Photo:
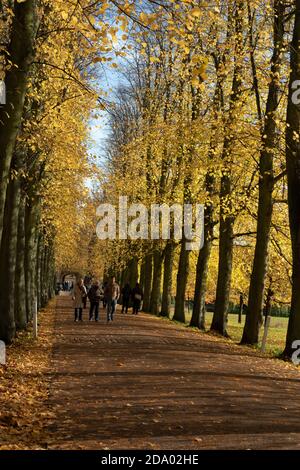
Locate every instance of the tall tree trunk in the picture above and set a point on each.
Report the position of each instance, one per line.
(8, 256)
(31, 222)
(142, 275)
(39, 267)
(148, 282)
(167, 280)
(219, 322)
(266, 186)
(133, 272)
(156, 283)
(184, 257)
(20, 53)
(51, 271)
(198, 315)
(182, 277)
(44, 274)
(20, 296)
(293, 177)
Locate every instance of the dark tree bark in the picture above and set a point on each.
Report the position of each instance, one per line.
(182, 277)
(148, 282)
(227, 218)
(293, 177)
(219, 322)
(266, 186)
(133, 272)
(156, 283)
(241, 308)
(31, 238)
(142, 275)
(20, 297)
(39, 268)
(167, 280)
(184, 258)
(8, 256)
(20, 53)
(198, 315)
(45, 273)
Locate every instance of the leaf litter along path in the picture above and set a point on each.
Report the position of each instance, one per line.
(24, 388)
(142, 383)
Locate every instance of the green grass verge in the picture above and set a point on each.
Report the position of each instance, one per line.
(276, 335)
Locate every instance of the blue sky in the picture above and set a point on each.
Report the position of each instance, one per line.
(98, 134)
(109, 79)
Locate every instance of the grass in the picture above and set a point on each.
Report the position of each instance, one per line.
(276, 334)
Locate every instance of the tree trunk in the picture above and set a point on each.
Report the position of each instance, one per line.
(20, 296)
(44, 275)
(266, 186)
(142, 275)
(39, 267)
(148, 282)
(219, 322)
(198, 316)
(8, 256)
(167, 281)
(293, 177)
(31, 221)
(241, 308)
(182, 277)
(133, 272)
(51, 272)
(156, 284)
(227, 217)
(20, 53)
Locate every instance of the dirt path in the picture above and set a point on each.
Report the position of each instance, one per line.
(141, 383)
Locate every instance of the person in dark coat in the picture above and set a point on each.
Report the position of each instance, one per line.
(137, 297)
(126, 294)
(94, 296)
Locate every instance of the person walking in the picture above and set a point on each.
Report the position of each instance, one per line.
(94, 295)
(79, 292)
(112, 294)
(137, 297)
(126, 293)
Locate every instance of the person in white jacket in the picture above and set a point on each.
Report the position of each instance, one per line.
(79, 292)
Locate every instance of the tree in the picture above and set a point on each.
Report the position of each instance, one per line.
(266, 181)
(293, 165)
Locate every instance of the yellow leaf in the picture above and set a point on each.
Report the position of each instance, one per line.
(196, 12)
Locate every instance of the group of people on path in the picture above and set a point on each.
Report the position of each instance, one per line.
(134, 295)
(109, 294)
